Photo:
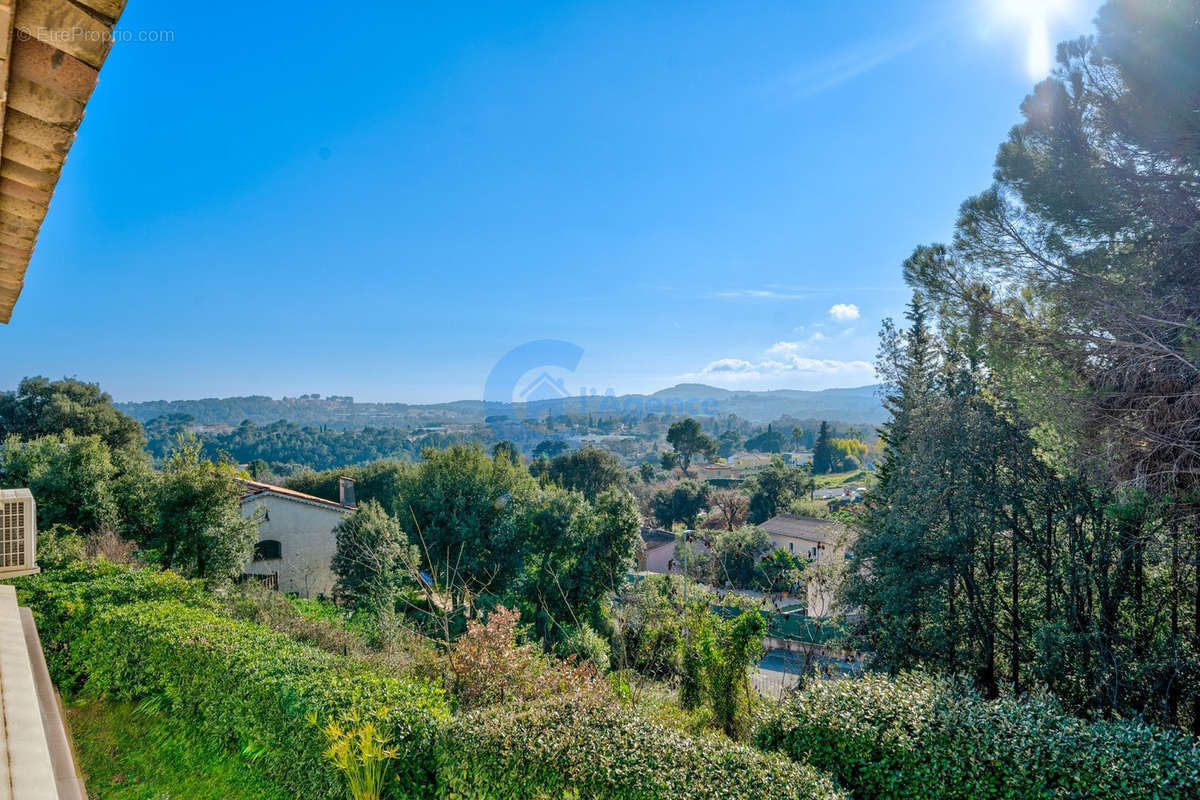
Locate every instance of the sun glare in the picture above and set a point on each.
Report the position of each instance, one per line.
(1032, 18)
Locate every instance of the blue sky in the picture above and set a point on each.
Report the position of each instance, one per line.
(381, 199)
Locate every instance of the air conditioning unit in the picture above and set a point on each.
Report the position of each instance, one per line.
(18, 533)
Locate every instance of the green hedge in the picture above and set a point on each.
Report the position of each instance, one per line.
(559, 749)
(244, 686)
(921, 737)
(65, 601)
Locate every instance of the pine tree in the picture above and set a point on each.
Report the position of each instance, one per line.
(822, 462)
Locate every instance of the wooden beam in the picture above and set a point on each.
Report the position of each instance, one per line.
(15, 255)
(51, 52)
(6, 36)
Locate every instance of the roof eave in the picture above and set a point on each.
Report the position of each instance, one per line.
(51, 52)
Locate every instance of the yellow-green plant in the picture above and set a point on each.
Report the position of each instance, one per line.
(362, 750)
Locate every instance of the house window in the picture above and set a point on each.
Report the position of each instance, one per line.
(812, 552)
(791, 547)
(268, 549)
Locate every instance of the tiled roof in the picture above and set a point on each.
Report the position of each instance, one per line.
(797, 527)
(256, 489)
(51, 52)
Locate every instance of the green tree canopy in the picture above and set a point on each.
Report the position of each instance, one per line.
(577, 555)
(682, 503)
(774, 488)
(590, 471)
(689, 441)
(200, 530)
(41, 407)
(769, 441)
(460, 511)
(370, 559)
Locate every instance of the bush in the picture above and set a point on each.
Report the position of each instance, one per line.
(606, 752)
(241, 685)
(585, 645)
(253, 602)
(59, 546)
(922, 737)
(65, 602)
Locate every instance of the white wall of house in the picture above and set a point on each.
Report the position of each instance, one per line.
(307, 544)
(658, 558)
(820, 600)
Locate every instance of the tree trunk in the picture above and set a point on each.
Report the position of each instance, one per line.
(1016, 612)
(1196, 627)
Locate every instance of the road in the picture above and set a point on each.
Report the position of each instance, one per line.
(780, 670)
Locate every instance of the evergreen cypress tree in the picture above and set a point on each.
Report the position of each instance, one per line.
(822, 462)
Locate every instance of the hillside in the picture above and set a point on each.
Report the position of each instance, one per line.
(856, 406)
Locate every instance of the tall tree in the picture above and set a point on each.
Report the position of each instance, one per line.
(682, 503)
(506, 449)
(590, 471)
(797, 437)
(369, 559)
(460, 510)
(200, 530)
(72, 478)
(730, 507)
(1087, 246)
(577, 555)
(689, 440)
(41, 407)
(822, 460)
(774, 488)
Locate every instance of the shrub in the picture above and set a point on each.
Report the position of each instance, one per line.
(490, 666)
(586, 645)
(921, 737)
(606, 752)
(58, 546)
(242, 685)
(65, 602)
(253, 602)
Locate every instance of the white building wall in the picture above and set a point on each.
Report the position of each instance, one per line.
(307, 543)
(820, 600)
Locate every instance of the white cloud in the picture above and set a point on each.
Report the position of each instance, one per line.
(844, 312)
(785, 367)
(758, 294)
(789, 364)
(793, 347)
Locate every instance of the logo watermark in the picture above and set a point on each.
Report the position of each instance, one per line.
(76, 35)
(531, 382)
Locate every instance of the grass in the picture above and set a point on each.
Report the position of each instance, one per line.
(853, 478)
(130, 752)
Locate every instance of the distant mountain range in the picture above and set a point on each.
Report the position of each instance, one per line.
(857, 406)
